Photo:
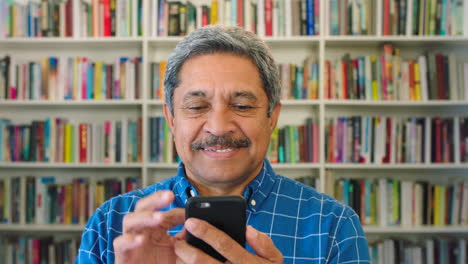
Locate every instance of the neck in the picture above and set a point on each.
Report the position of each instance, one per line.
(219, 190)
(222, 188)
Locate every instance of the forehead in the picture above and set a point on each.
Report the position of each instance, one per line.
(206, 75)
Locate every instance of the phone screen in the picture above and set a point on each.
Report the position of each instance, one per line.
(227, 213)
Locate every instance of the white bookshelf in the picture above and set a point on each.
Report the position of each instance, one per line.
(432, 103)
(41, 228)
(53, 165)
(425, 230)
(65, 103)
(399, 166)
(285, 50)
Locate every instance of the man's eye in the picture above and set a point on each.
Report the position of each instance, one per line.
(196, 108)
(243, 107)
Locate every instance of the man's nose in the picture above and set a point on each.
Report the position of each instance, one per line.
(220, 121)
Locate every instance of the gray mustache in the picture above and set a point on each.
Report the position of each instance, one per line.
(221, 140)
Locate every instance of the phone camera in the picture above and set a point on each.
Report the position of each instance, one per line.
(204, 205)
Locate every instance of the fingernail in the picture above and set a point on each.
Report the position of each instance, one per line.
(139, 239)
(166, 195)
(190, 223)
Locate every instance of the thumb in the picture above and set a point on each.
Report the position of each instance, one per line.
(263, 245)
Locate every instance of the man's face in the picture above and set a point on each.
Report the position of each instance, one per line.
(220, 124)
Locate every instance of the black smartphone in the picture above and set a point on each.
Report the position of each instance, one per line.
(226, 213)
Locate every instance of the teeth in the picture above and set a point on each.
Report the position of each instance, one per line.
(221, 150)
(224, 150)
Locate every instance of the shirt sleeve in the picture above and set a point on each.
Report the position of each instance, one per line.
(93, 247)
(349, 244)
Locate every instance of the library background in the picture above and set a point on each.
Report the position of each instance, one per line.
(375, 113)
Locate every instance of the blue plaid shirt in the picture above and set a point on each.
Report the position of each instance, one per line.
(306, 226)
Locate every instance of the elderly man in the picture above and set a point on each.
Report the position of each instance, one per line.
(222, 104)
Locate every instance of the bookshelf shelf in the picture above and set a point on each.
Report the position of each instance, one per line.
(34, 41)
(296, 166)
(72, 43)
(396, 166)
(40, 228)
(268, 39)
(394, 38)
(401, 41)
(157, 40)
(396, 103)
(153, 165)
(68, 165)
(154, 102)
(416, 230)
(293, 39)
(70, 103)
(333, 40)
(305, 102)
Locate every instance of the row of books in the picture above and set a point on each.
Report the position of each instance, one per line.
(41, 18)
(397, 17)
(70, 78)
(448, 250)
(423, 17)
(393, 202)
(57, 200)
(295, 144)
(23, 250)
(162, 147)
(431, 76)
(299, 81)
(263, 17)
(377, 140)
(64, 141)
(352, 17)
(106, 18)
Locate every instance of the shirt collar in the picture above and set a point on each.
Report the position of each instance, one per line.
(255, 193)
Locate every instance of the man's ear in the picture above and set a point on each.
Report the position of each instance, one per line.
(169, 117)
(275, 116)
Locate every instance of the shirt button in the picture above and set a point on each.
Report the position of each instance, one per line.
(192, 193)
(253, 202)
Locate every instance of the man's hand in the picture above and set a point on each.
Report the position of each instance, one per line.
(145, 238)
(226, 246)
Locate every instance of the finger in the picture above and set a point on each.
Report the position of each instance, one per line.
(136, 222)
(182, 235)
(155, 201)
(188, 254)
(220, 241)
(263, 245)
(126, 243)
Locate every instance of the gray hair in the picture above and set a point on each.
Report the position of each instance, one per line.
(222, 39)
